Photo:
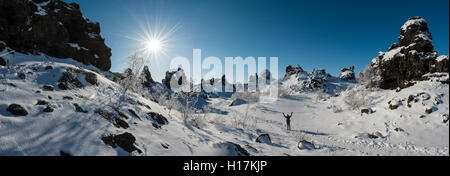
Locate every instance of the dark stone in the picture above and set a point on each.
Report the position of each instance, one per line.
(67, 98)
(264, 138)
(125, 141)
(48, 109)
(22, 76)
(54, 33)
(69, 79)
(2, 61)
(429, 110)
(147, 77)
(372, 136)
(305, 145)
(158, 118)
(156, 126)
(366, 111)
(64, 86)
(393, 107)
(134, 113)
(91, 78)
(49, 97)
(41, 102)
(48, 87)
(17, 110)
(37, 91)
(48, 67)
(119, 123)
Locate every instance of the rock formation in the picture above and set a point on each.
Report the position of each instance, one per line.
(409, 60)
(55, 28)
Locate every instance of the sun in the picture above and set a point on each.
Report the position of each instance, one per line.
(153, 45)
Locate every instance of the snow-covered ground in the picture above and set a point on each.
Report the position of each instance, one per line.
(323, 120)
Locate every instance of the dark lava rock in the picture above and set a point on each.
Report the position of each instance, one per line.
(48, 87)
(17, 110)
(2, 61)
(366, 111)
(49, 97)
(158, 118)
(156, 126)
(429, 110)
(69, 79)
(67, 98)
(91, 78)
(134, 113)
(264, 138)
(372, 136)
(147, 77)
(125, 141)
(22, 76)
(119, 123)
(41, 102)
(55, 28)
(48, 109)
(48, 67)
(234, 149)
(175, 78)
(348, 73)
(409, 60)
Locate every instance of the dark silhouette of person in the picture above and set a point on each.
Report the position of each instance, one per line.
(288, 120)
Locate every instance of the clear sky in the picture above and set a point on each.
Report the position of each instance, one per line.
(329, 34)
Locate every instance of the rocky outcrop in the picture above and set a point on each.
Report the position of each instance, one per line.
(177, 78)
(347, 73)
(55, 28)
(409, 60)
(293, 71)
(147, 77)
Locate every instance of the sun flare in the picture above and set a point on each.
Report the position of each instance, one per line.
(153, 45)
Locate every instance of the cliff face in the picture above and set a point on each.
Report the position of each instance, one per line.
(55, 28)
(409, 60)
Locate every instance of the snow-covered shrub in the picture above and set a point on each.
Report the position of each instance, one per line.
(357, 97)
(370, 77)
(243, 120)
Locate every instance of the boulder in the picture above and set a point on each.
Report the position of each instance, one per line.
(158, 118)
(91, 78)
(125, 141)
(264, 138)
(305, 145)
(48, 109)
(55, 28)
(69, 79)
(17, 110)
(48, 87)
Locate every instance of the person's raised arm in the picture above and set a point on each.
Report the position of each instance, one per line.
(284, 114)
(292, 114)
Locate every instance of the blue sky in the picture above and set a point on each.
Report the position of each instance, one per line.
(329, 34)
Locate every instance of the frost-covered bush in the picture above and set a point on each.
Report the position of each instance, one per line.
(357, 97)
(243, 120)
(370, 77)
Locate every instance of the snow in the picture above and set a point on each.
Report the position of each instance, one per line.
(391, 54)
(320, 130)
(441, 58)
(413, 22)
(75, 45)
(41, 11)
